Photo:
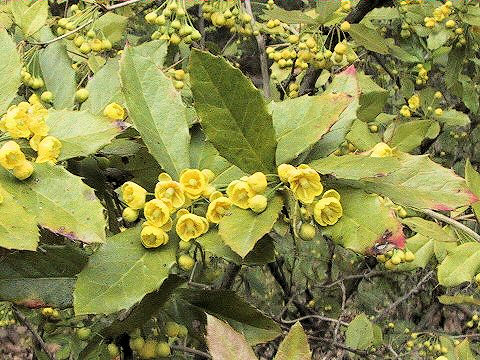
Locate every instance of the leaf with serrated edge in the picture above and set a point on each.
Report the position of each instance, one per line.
(295, 345)
(60, 201)
(299, 123)
(121, 273)
(9, 70)
(460, 265)
(157, 111)
(225, 343)
(80, 132)
(359, 334)
(355, 230)
(429, 229)
(18, 228)
(232, 113)
(241, 229)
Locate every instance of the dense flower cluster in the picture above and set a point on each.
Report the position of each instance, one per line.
(27, 120)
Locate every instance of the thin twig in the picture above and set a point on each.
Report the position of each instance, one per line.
(340, 346)
(262, 54)
(352, 277)
(64, 35)
(190, 350)
(35, 334)
(452, 222)
(319, 317)
(413, 291)
(121, 4)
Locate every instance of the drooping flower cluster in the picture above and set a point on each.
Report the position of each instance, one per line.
(186, 198)
(27, 120)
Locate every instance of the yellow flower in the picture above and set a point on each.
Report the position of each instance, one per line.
(284, 172)
(209, 175)
(156, 212)
(209, 190)
(381, 150)
(133, 195)
(37, 120)
(217, 209)
(331, 193)
(414, 102)
(114, 111)
(129, 214)
(257, 203)
(35, 141)
(190, 226)
(257, 182)
(327, 211)
(15, 121)
(11, 155)
(153, 237)
(305, 183)
(49, 150)
(405, 111)
(171, 190)
(239, 192)
(23, 171)
(194, 183)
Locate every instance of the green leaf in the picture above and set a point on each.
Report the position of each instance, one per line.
(104, 88)
(18, 228)
(472, 178)
(9, 70)
(438, 38)
(356, 167)
(355, 230)
(361, 137)
(156, 110)
(80, 132)
(299, 123)
(295, 345)
(372, 98)
(203, 155)
(469, 95)
(410, 180)
(232, 113)
(406, 136)
(288, 16)
(463, 351)
(460, 265)
(359, 334)
(57, 71)
(458, 299)
(253, 324)
(224, 343)
(121, 273)
(368, 38)
(472, 16)
(60, 201)
(30, 18)
(452, 117)
(111, 25)
(429, 229)
(383, 13)
(145, 309)
(423, 248)
(41, 278)
(241, 229)
(262, 253)
(346, 82)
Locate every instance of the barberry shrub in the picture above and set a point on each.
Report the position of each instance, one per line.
(160, 196)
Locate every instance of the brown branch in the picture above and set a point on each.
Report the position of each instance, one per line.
(19, 315)
(361, 353)
(186, 349)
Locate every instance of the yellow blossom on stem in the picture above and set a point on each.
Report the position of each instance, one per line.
(239, 192)
(327, 211)
(156, 212)
(114, 111)
(305, 184)
(258, 203)
(414, 102)
(153, 237)
(133, 195)
(23, 171)
(284, 171)
(194, 183)
(49, 150)
(11, 155)
(172, 190)
(257, 182)
(381, 150)
(190, 226)
(217, 209)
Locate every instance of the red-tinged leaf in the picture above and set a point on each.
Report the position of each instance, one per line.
(225, 343)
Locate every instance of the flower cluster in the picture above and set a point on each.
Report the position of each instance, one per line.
(27, 120)
(395, 257)
(174, 24)
(231, 15)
